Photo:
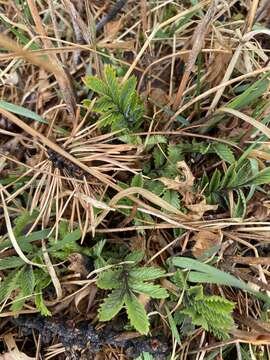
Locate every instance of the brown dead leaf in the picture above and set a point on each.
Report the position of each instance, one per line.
(205, 242)
(78, 264)
(14, 353)
(197, 206)
(218, 67)
(112, 28)
(159, 96)
(89, 294)
(177, 184)
(201, 208)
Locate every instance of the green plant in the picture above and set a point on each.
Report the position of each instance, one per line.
(166, 157)
(212, 313)
(119, 105)
(239, 175)
(145, 356)
(204, 273)
(24, 282)
(127, 281)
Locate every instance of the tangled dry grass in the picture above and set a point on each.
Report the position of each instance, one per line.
(202, 70)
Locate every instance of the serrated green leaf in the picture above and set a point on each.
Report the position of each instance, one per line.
(111, 305)
(63, 248)
(173, 327)
(9, 284)
(159, 158)
(136, 314)
(11, 262)
(110, 78)
(127, 91)
(26, 283)
(263, 177)
(215, 181)
(156, 139)
(72, 236)
(241, 205)
(27, 280)
(104, 104)
(95, 84)
(131, 139)
(175, 153)
(147, 273)
(42, 308)
(20, 110)
(172, 197)
(179, 279)
(153, 291)
(109, 279)
(197, 319)
(224, 152)
(115, 119)
(137, 180)
(135, 256)
(213, 313)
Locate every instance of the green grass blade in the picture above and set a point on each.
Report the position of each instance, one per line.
(204, 273)
(20, 110)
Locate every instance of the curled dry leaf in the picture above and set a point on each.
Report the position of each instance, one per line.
(199, 209)
(177, 184)
(206, 242)
(79, 264)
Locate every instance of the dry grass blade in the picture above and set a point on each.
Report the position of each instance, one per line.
(261, 127)
(197, 41)
(12, 237)
(32, 58)
(61, 75)
(81, 197)
(51, 270)
(218, 87)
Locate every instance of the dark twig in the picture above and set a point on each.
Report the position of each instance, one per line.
(111, 14)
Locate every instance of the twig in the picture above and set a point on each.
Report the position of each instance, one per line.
(111, 14)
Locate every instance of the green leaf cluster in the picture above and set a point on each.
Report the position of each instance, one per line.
(119, 105)
(24, 283)
(165, 158)
(239, 175)
(212, 313)
(204, 273)
(127, 281)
